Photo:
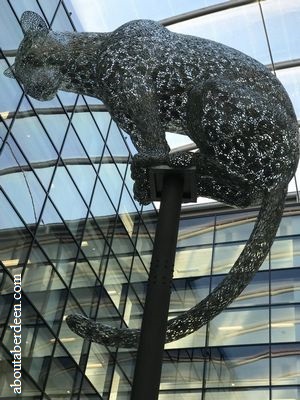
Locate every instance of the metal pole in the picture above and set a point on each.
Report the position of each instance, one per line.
(153, 332)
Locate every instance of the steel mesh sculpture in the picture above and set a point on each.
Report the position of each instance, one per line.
(152, 81)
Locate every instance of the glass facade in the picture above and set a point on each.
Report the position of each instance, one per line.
(73, 239)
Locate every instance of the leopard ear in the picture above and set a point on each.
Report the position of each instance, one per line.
(10, 72)
(31, 21)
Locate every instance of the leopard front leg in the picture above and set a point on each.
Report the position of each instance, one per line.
(147, 133)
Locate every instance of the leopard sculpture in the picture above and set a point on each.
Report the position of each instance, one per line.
(153, 80)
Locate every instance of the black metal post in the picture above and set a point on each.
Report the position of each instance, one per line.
(153, 332)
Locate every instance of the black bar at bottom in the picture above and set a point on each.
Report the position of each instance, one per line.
(153, 332)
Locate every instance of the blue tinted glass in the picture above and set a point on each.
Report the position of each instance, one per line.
(49, 8)
(239, 366)
(72, 147)
(26, 194)
(20, 6)
(195, 231)
(61, 21)
(88, 132)
(11, 87)
(10, 29)
(33, 140)
(11, 156)
(285, 286)
(240, 28)
(285, 253)
(115, 141)
(290, 224)
(103, 120)
(84, 176)
(282, 19)
(56, 126)
(66, 197)
(98, 16)
(101, 204)
(290, 78)
(285, 367)
(238, 326)
(9, 218)
(112, 181)
(285, 324)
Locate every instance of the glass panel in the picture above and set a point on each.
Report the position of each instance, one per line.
(193, 262)
(285, 286)
(10, 30)
(182, 369)
(195, 231)
(290, 224)
(285, 393)
(234, 227)
(133, 310)
(182, 395)
(61, 21)
(6, 298)
(261, 394)
(84, 177)
(62, 374)
(114, 270)
(120, 388)
(36, 353)
(8, 85)
(15, 242)
(139, 270)
(72, 342)
(87, 270)
(44, 175)
(98, 17)
(101, 204)
(93, 244)
(225, 256)
(112, 181)
(186, 293)
(240, 28)
(49, 7)
(32, 139)
(290, 79)
(239, 327)
(39, 274)
(59, 246)
(121, 245)
(72, 147)
(103, 120)
(3, 133)
(285, 253)
(20, 6)
(285, 324)
(282, 18)
(115, 141)
(56, 126)
(88, 296)
(71, 207)
(238, 366)
(89, 134)
(99, 368)
(11, 157)
(26, 194)
(128, 212)
(285, 365)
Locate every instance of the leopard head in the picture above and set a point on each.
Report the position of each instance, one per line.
(34, 66)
